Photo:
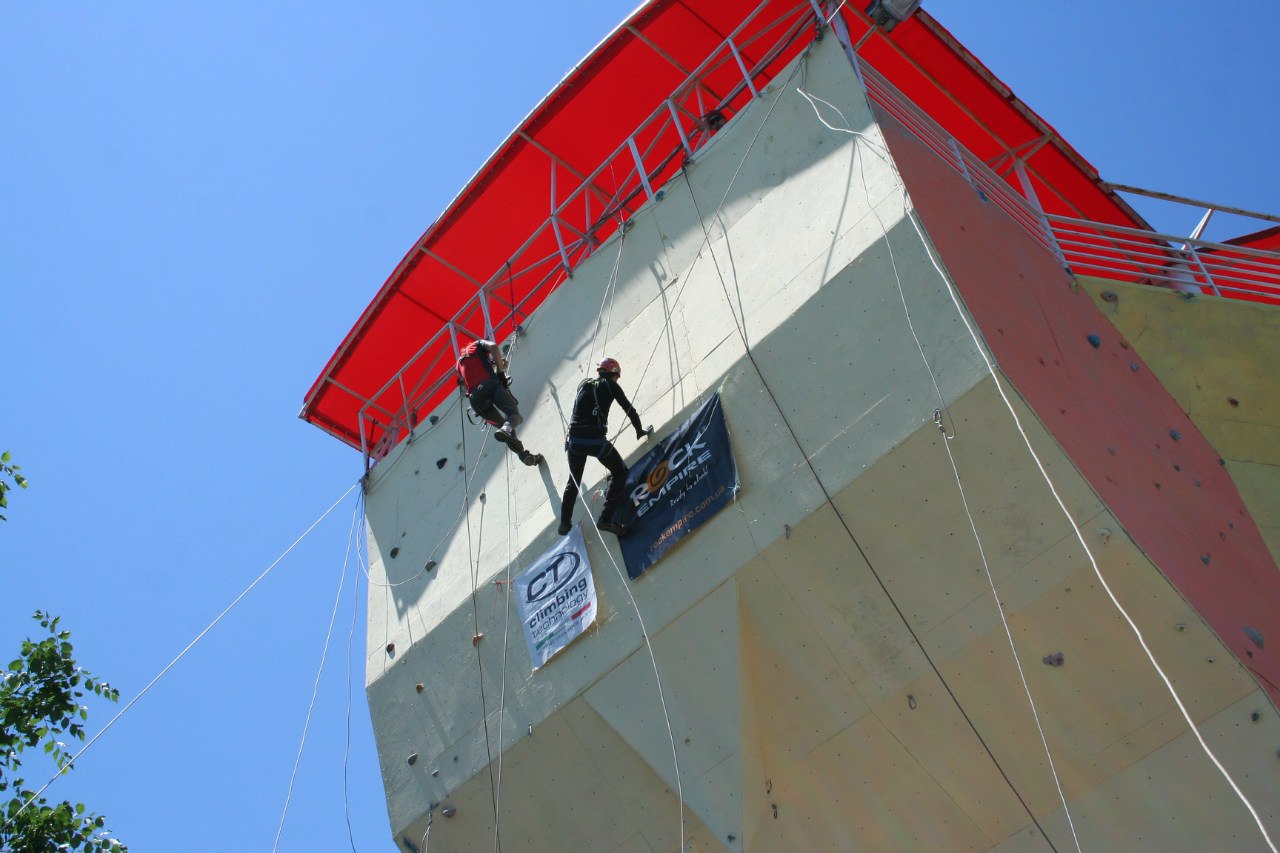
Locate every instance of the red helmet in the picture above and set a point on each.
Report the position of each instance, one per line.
(610, 366)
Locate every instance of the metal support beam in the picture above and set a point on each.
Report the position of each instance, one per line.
(1029, 190)
(746, 74)
(635, 155)
(684, 138)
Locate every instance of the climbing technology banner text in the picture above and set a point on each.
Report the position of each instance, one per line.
(677, 486)
(556, 598)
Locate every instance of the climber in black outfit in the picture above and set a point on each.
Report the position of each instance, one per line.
(588, 436)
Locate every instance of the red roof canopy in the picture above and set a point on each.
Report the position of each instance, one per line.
(496, 236)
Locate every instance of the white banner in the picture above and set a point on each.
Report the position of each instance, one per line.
(556, 597)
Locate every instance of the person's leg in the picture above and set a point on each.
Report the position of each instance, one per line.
(617, 483)
(577, 462)
(506, 403)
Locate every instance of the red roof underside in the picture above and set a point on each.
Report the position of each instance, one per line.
(589, 115)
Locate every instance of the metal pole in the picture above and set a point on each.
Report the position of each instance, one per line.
(1029, 190)
(1213, 285)
(555, 224)
(746, 75)
(684, 139)
(635, 155)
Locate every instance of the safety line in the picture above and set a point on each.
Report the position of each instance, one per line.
(351, 632)
(884, 231)
(644, 631)
(912, 217)
(611, 288)
(1094, 563)
(808, 462)
(706, 238)
(456, 523)
(315, 687)
(506, 636)
(181, 655)
(653, 660)
(475, 617)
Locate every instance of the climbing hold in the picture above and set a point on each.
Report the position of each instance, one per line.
(394, 553)
(441, 462)
(1256, 716)
(1181, 627)
(1255, 635)
(1055, 659)
(475, 640)
(419, 687)
(449, 811)
(1105, 535)
(1175, 435)
(1095, 341)
(1108, 296)
(431, 564)
(435, 773)
(786, 531)
(432, 420)
(1133, 365)
(775, 810)
(659, 195)
(391, 648)
(1204, 558)
(911, 701)
(483, 497)
(412, 759)
(1235, 404)
(1221, 461)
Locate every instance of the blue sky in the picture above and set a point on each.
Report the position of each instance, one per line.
(196, 202)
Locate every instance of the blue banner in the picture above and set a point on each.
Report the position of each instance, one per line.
(676, 486)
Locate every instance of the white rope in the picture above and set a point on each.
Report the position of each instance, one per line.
(1026, 687)
(611, 289)
(911, 216)
(506, 636)
(474, 566)
(1093, 561)
(644, 631)
(351, 632)
(315, 687)
(653, 660)
(182, 653)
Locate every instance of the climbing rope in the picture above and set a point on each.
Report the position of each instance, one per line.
(912, 217)
(817, 479)
(181, 654)
(610, 296)
(947, 438)
(351, 633)
(473, 563)
(315, 687)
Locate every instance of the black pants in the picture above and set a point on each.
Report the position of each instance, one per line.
(578, 451)
(497, 405)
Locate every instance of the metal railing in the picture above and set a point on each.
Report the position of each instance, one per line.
(1186, 264)
(582, 218)
(677, 129)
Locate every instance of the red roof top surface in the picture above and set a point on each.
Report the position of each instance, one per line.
(583, 122)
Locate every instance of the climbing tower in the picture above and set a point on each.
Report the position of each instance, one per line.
(997, 568)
